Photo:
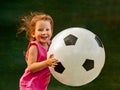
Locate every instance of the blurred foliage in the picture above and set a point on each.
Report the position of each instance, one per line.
(102, 17)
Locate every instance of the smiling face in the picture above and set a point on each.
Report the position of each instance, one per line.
(43, 31)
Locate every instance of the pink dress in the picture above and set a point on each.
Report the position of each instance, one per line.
(38, 80)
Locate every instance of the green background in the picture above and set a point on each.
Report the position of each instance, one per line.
(102, 17)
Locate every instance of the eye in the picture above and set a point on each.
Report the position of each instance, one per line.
(47, 29)
(40, 30)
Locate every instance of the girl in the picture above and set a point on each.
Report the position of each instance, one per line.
(39, 29)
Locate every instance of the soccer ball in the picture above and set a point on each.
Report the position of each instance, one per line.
(81, 56)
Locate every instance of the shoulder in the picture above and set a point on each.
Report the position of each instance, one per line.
(33, 46)
(33, 43)
(33, 49)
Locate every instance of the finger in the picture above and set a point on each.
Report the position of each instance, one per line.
(51, 56)
(53, 66)
(55, 63)
(56, 60)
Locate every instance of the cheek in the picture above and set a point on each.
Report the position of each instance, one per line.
(38, 33)
(50, 34)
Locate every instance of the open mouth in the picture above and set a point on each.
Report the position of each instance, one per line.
(44, 38)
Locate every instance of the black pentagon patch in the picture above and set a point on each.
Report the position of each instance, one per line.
(99, 41)
(88, 64)
(59, 68)
(70, 40)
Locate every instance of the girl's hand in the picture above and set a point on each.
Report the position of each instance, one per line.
(51, 61)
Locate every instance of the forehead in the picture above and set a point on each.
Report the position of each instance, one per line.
(43, 23)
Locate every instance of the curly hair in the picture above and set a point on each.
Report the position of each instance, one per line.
(29, 22)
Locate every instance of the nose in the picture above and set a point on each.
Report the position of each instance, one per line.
(44, 32)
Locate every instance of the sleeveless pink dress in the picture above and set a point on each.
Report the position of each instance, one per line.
(38, 80)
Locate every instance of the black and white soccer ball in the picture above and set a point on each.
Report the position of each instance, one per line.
(81, 56)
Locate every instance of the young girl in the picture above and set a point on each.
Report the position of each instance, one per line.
(39, 29)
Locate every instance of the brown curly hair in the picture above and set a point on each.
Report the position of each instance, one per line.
(29, 22)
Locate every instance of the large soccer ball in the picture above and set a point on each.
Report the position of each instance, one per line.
(81, 56)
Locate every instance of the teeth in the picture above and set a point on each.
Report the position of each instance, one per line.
(44, 36)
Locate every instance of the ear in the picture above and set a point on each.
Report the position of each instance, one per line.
(33, 34)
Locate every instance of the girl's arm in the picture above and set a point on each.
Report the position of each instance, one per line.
(33, 65)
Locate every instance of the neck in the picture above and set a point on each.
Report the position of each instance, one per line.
(45, 45)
